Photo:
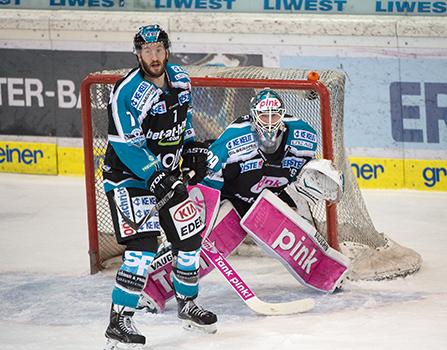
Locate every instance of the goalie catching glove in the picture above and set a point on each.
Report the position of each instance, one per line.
(195, 156)
(317, 180)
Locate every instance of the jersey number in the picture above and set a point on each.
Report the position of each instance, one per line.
(175, 115)
(132, 119)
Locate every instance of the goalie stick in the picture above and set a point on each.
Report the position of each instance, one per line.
(212, 254)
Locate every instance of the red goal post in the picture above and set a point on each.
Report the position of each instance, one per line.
(219, 96)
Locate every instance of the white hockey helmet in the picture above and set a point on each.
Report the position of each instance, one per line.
(267, 112)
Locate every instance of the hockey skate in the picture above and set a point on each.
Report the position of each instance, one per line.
(195, 317)
(147, 304)
(121, 332)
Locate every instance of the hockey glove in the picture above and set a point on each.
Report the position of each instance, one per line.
(161, 182)
(231, 171)
(318, 180)
(195, 156)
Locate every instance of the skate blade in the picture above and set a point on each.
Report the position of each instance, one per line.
(191, 326)
(112, 344)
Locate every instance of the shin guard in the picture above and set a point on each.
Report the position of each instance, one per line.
(185, 278)
(131, 277)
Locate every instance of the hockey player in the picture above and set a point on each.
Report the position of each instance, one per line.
(268, 149)
(150, 129)
(264, 163)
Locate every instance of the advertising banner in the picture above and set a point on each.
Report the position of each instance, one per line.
(358, 7)
(396, 104)
(28, 157)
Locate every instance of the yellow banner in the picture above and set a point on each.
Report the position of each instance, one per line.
(384, 173)
(70, 161)
(379, 173)
(426, 175)
(28, 158)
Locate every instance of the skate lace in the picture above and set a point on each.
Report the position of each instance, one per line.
(196, 310)
(127, 325)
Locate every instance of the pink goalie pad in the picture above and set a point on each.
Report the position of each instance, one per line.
(226, 234)
(283, 234)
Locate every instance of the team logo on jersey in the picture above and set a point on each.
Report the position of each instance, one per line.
(177, 69)
(184, 97)
(159, 108)
(269, 181)
(142, 94)
(189, 133)
(251, 165)
(180, 76)
(240, 141)
(292, 162)
(170, 135)
(135, 138)
(305, 135)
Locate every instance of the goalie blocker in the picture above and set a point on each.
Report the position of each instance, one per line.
(286, 236)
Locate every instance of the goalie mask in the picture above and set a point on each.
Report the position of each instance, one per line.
(267, 112)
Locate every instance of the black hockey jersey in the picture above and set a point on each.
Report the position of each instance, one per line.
(241, 170)
(147, 127)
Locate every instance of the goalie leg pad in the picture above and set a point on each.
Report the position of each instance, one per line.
(131, 277)
(282, 233)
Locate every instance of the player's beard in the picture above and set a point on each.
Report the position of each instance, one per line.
(155, 69)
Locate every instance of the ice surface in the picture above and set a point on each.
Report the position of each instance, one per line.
(49, 300)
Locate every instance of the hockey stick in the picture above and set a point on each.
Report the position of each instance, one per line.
(136, 225)
(245, 293)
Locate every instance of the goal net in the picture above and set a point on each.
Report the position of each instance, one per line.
(222, 94)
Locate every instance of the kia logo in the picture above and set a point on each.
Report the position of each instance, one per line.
(185, 212)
